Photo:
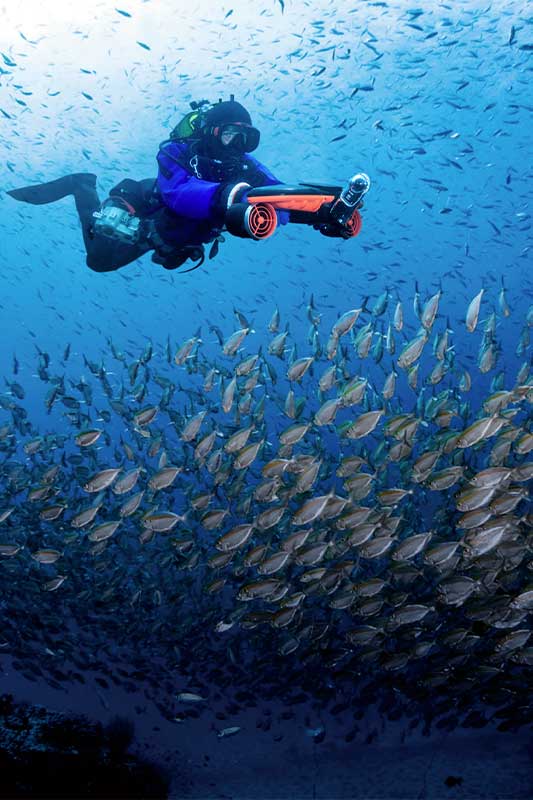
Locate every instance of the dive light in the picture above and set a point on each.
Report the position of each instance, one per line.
(352, 194)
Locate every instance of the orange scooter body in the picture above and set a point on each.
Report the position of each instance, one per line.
(308, 202)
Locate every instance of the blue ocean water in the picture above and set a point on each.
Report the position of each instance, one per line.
(434, 103)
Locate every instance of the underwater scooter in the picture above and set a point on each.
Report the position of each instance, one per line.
(330, 209)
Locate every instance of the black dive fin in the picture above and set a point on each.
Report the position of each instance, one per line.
(54, 190)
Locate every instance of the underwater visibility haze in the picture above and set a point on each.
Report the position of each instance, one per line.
(277, 510)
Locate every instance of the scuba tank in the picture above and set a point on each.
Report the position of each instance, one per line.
(191, 124)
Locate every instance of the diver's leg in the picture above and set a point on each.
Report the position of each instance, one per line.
(103, 254)
(106, 255)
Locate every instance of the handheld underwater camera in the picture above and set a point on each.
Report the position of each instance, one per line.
(117, 219)
(333, 210)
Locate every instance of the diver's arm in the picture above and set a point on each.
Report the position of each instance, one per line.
(182, 192)
(192, 197)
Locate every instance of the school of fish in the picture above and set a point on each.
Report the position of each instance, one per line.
(325, 519)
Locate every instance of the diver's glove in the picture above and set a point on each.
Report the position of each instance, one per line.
(227, 195)
(331, 227)
(172, 258)
(333, 230)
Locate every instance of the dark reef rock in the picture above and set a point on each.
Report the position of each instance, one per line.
(45, 754)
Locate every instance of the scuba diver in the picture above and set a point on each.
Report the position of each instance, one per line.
(207, 183)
